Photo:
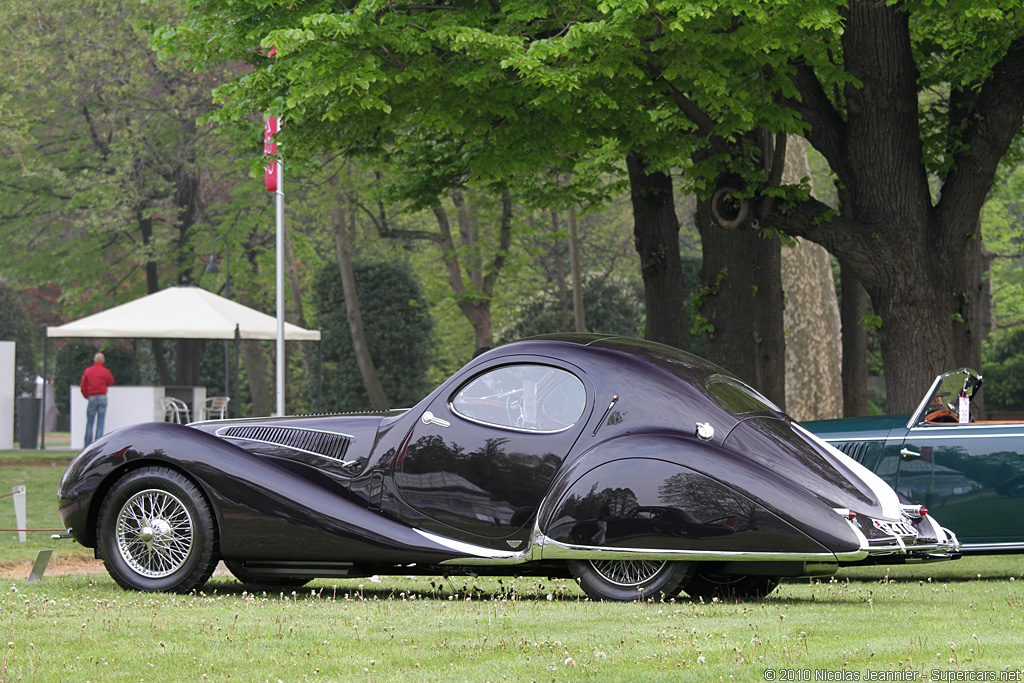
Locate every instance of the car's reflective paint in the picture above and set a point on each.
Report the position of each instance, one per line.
(656, 465)
(970, 475)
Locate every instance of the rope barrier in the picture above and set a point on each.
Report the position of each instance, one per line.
(40, 530)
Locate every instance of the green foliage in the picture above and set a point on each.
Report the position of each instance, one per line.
(105, 172)
(506, 91)
(71, 360)
(398, 328)
(1003, 370)
(609, 308)
(1003, 229)
(15, 327)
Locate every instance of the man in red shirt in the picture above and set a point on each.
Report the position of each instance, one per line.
(95, 381)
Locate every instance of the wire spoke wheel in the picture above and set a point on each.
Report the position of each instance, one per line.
(630, 580)
(154, 533)
(627, 572)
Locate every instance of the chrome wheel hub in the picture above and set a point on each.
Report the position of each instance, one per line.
(627, 572)
(155, 533)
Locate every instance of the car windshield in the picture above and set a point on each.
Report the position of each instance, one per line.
(949, 399)
(737, 397)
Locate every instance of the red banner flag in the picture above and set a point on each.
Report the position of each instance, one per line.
(270, 147)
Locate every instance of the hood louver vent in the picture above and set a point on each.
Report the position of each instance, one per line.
(325, 444)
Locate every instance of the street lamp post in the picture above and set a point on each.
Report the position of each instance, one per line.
(213, 267)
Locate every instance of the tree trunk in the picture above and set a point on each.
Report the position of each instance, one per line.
(811, 317)
(656, 234)
(474, 301)
(911, 252)
(741, 304)
(563, 289)
(987, 315)
(855, 345)
(579, 318)
(152, 287)
(255, 362)
(364, 361)
(187, 361)
(968, 306)
(814, 387)
(916, 339)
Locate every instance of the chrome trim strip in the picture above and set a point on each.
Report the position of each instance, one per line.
(861, 538)
(554, 550)
(921, 437)
(854, 439)
(545, 548)
(477, 552)
(990, 547)
(916, 415)
(549, 549)
(518, 430)
(853, 556)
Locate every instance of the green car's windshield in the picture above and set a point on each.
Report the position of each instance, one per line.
(949, 399)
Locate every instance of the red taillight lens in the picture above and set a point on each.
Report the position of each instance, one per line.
(914, 511)
(846, 512)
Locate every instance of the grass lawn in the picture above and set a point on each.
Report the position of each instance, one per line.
(964, 615)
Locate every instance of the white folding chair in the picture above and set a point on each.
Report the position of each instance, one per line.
(215, 407)
(175, 410)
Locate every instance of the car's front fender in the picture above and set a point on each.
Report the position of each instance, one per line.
(263, 510)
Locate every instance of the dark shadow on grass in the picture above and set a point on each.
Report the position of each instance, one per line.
(318, 590)
(916, 578)
(350, 590)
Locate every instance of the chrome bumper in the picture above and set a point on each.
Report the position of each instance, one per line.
(910, 540)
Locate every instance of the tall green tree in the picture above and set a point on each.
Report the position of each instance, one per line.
(398, 333)
(15, 327)
(448, 127)
(893, 95)
(110, 180)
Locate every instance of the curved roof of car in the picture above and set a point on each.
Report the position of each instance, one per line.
(682, 364)
(657, 384)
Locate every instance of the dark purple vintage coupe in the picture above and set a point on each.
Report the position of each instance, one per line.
(637, 469)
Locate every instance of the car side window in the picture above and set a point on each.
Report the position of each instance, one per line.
(528, 397)
(737, 397)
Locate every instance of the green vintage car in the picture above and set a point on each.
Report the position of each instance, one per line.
(967, 471)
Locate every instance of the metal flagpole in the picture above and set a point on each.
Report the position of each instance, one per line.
(280, 288)
(274, 179)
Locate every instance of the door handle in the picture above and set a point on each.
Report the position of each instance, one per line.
(907, 453)
(429, 419)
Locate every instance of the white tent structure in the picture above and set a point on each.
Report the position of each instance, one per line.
(180, 312)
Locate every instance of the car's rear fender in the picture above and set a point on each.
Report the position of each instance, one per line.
(768, 514)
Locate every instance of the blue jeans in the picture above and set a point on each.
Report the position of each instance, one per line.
(96, 411)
